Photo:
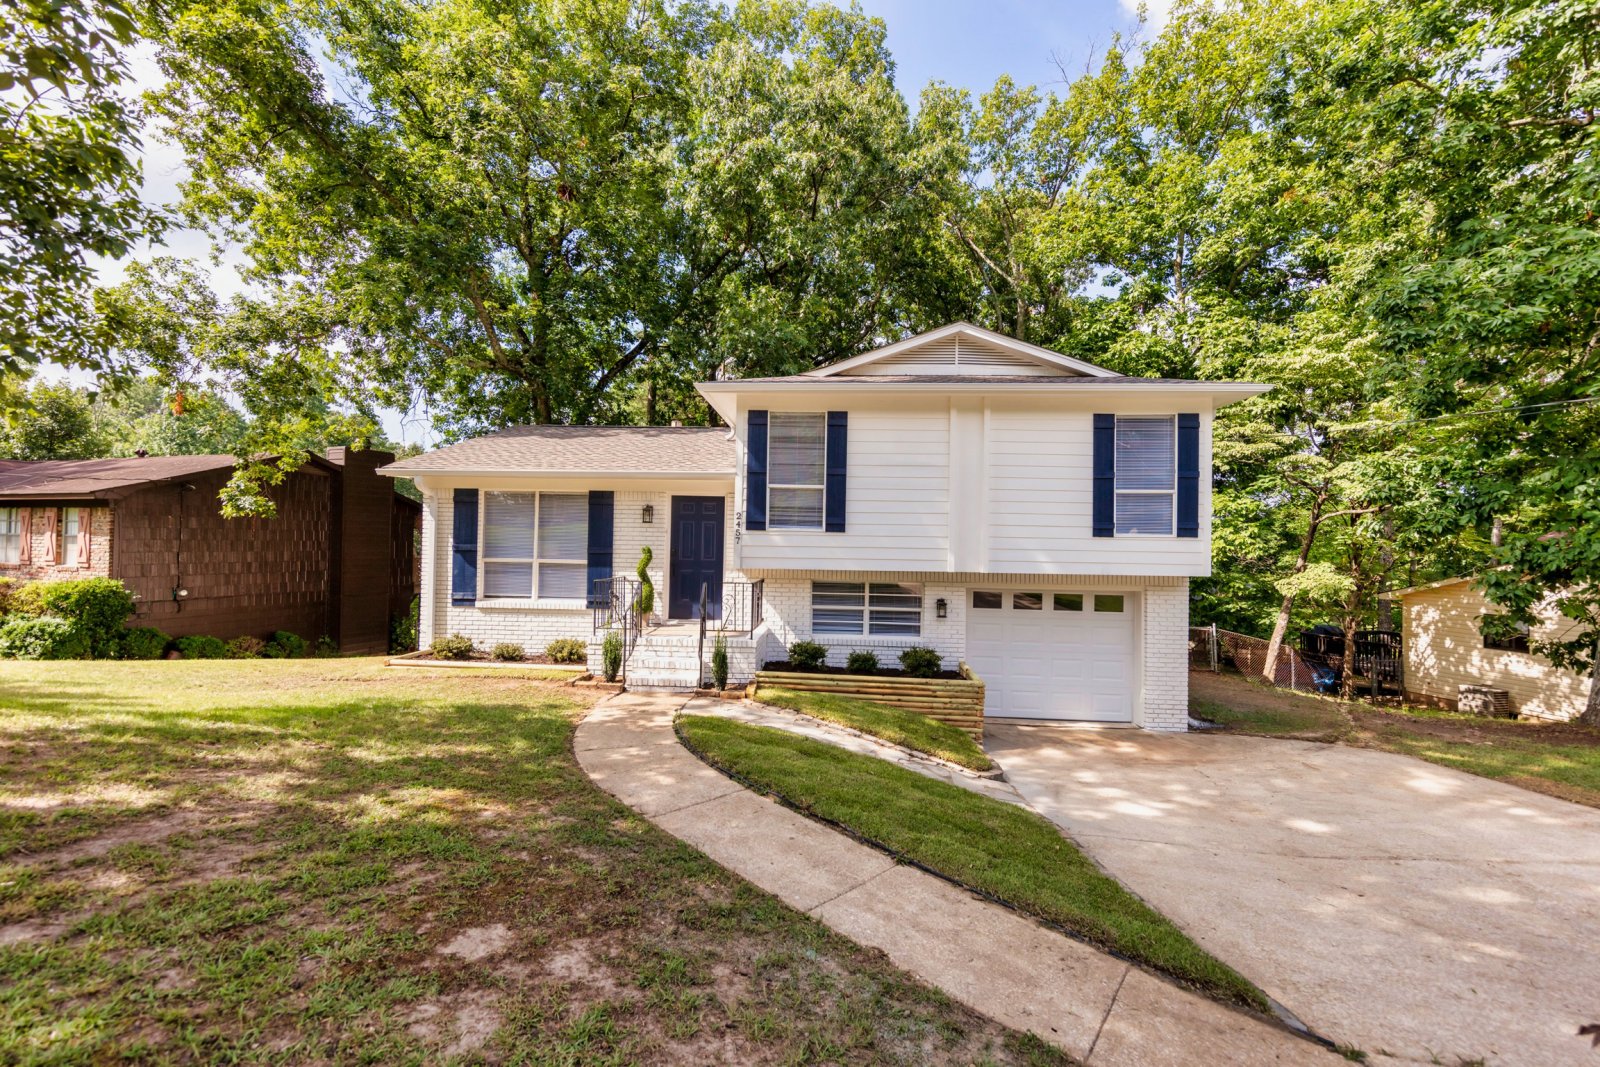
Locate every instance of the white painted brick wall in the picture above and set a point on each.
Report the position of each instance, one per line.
(788, 613)
(1165, 645)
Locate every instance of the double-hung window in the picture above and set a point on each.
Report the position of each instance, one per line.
(10, 535)
(1146, 474)
(797, 467)
(535, 544)
(878, 609)
(71, 530)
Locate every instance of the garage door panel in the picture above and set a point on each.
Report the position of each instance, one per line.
(1054, 663)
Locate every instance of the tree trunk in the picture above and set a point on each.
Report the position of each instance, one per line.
(1591, 710)
(1280, 627)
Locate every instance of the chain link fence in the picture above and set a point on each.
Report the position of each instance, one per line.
(1212, 649)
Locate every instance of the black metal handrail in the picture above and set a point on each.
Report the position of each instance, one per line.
(615, 604)
(700, 649)
(742, 605)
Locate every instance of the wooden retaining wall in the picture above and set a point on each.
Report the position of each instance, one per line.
(957, 701)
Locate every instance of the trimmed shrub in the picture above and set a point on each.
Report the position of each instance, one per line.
(245, 647)
(143, 642)
(807, 655)
(453, 647)
(567, 650)
(325, 648)
(506, 651)
(862, 663)
(9, 588)
(98, 607)
(199, 646)
(611, 655)
(646, 602)
(921, 662)
(719, 662)
(285, 645)
(42, 637)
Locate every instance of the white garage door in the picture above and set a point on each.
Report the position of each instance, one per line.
(1047, 655)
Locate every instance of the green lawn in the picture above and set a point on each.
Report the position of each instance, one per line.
(895, 725)
(1001, 849)
(331, 861)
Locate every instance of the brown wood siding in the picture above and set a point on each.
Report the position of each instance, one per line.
(244, 576)
(1444, 651)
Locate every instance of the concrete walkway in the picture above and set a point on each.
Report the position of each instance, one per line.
(757, 714)
(1095, 1007)
(1396, 906)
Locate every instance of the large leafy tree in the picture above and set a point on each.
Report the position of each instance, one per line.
(69, 182)
(547, 211)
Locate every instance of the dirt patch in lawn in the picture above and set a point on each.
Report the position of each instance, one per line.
(1475, 731)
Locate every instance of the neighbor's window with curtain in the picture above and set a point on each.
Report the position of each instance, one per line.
(10, 535)
(797, 443)
(535, 543)
(71, 525)
(1146, 457)
(883, 609)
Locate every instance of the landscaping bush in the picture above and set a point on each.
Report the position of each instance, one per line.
(245, 647)
(862, 663)
(719, 662)
(920, 662)
(143, 642)
(403, 627)
(326, 647)
(567, 650)
(506, 651)
(9, 588)
(285, 645)
(807, 655)
(611, 655)
(42, 637)
(199, 646)
(97, 607)
(453, 647)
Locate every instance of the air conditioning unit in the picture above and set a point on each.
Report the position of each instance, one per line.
(1486, 701)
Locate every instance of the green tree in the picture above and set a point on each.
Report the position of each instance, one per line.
(69, 186)
(51, 421)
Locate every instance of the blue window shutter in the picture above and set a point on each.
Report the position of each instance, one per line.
(755, 473)
(602, 514)
(834, 487)
(464, 548)
(1105, 475)
(1188, 475)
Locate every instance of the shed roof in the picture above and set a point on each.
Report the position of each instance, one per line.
(682, 451)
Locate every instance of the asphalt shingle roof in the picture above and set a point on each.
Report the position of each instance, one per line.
(585, 449)
(92, 478)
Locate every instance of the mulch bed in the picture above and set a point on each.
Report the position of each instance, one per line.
(881, 672)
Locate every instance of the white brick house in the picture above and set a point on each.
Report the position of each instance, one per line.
(1031, 515)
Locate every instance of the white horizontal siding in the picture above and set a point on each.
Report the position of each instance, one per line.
(897, 501)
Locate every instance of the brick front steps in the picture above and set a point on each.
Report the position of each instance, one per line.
(956, 701)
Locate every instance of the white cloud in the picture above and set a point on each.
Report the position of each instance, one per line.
(1156, 11)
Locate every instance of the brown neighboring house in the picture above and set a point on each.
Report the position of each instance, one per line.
(338, 560)
(1445, 650)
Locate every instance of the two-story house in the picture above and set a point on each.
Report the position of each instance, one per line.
(1026, 513)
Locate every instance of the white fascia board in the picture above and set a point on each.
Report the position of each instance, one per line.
(1034, 352)
(1221, 393)
(394, 470)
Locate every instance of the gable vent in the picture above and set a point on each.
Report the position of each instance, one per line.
(957, 354)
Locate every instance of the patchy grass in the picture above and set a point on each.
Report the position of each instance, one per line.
(894, 725)
(1560, 759)
(1002, 849)
(330, 861)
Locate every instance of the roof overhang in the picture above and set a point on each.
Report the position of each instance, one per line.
(398, 470)
(1442, 583)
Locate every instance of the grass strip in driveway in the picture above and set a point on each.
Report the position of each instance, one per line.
(897, 726)
(1009, 853)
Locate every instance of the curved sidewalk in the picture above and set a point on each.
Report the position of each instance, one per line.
(1097, 1008)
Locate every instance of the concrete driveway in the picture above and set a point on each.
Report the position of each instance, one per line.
(1398, 907)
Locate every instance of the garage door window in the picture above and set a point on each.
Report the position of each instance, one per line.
(879, 609)
(1027, 601)
(986, 601)
(1068, 601)
(1108, 602)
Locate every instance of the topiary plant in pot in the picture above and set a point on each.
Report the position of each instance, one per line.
(646, 601)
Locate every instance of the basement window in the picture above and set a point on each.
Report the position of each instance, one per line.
(881, 609)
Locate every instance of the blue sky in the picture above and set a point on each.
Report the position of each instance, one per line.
(967, 43)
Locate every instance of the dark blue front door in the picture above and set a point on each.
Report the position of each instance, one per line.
(696, 557)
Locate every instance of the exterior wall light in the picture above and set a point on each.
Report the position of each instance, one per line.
(649, 515)
(940, 608)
